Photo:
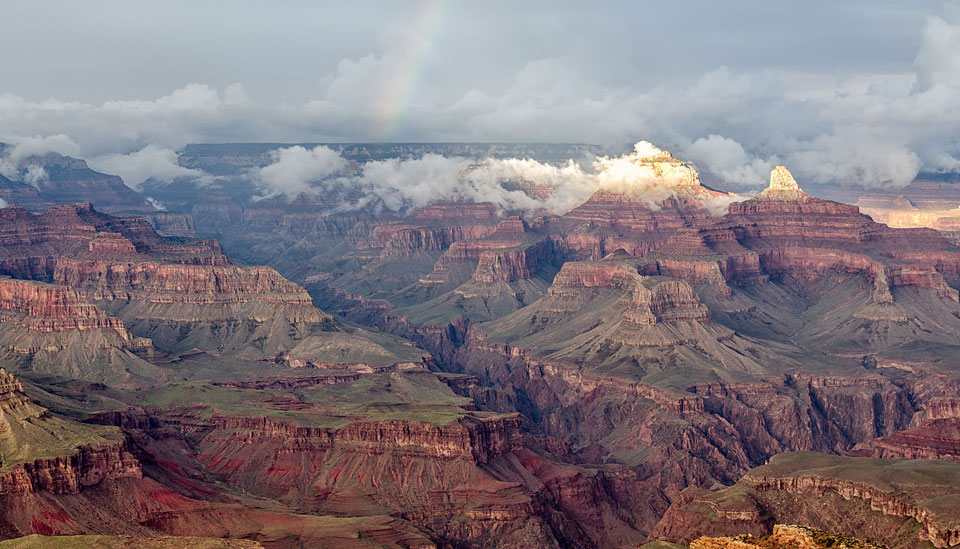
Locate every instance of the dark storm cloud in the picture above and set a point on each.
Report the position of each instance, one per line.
(844, 92)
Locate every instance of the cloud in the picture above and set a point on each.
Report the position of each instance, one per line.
(296, 170)
(150, 162)
(403, 184)
(35, 176)
(856, 156)
(20, 147)
(156, 204)
(194, 113)
(938, 62)
(37, 145)
(862, 128)
(728, 160)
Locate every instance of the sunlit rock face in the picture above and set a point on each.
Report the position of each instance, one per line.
(648, 169)
(782, 186)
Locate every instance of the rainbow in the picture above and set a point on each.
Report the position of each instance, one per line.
(406, 79)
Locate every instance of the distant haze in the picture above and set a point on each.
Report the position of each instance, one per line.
(842, 92)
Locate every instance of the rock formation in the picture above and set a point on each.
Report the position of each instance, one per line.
(861, 497)
(61, 179)
(39, 451)
(784, 535)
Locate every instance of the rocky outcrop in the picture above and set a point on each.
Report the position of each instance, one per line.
(784, 535)
(65, 180)
(51, 329)
(584, 274)
(934, 433)
(515, 263)
(39, 451)
(477, 439)
(30, 241)
(932, 528)
(51, 308)
(406, 239)
(874, 499)
(172, 224)
(88, 466)
(17, 193)
(936, 439)
(163, 283)
(181, 293)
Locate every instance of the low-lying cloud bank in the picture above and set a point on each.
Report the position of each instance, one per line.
(875, 130)
(403, 184)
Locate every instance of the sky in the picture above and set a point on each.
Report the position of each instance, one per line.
(864, 92)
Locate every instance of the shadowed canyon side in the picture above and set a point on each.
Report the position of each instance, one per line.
(660, 363)
(175, 295)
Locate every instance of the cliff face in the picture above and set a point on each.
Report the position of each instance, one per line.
(869, 498)
(172, 224)
(784, 535)
(88, 466)
(118, 274)
(934, 434)
(514, 263)
(67, 180)
(785, 231)
(467, 481)
(21, 194)
(714, 431)
(159, 283)
(933, 529)
(50, 308)
(51, 329)
(42, 452)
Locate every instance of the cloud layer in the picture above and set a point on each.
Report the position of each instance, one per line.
(867, 128)
(403, 184)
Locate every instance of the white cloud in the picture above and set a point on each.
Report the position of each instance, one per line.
(149, 162)
(35, 176)
(938, 62)
(295, 169)
(21, 147)
(402, 184)
(728, 160)
(856, 156)
(156, 204)
(870, 128)
(39, 145)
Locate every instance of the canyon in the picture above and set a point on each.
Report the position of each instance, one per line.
(462, 374)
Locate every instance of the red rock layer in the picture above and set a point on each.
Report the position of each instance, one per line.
(511, 264)
(79, 230)
(159, 283)
(612, 209)
(88, 466)
(12, 396)
(50, 308)
(611, 221)
(932, 528)
(476, 439)
(791, 232)
(935, 439)
(85, 466)
(107, 258)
